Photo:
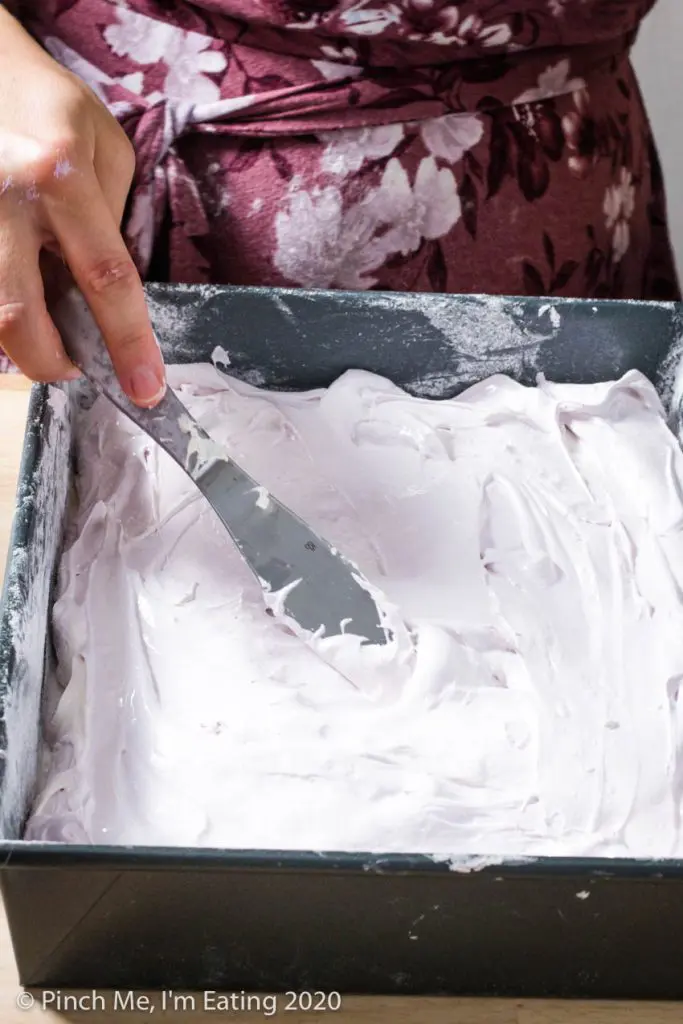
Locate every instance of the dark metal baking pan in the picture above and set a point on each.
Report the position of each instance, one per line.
(113, 917)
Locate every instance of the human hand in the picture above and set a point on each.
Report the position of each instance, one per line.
(65, 170)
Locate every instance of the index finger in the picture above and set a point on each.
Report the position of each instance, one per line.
(101, 265)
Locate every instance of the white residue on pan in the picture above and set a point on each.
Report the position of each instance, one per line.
(256, 378)
(552, 313)
(219, 357)
(173, 321)
(170, 320)
(465, 864)
(176, 327)
(669, 382)
(282, 306)
(41, 501)
(486, 335)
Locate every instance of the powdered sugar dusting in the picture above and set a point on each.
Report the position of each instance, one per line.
(487, 336)
(175, 322)
(669, 382)
(552, 313)
(41, 501)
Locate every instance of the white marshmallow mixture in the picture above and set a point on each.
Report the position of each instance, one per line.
(532, 539)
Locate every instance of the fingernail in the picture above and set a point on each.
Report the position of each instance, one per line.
(73, 374)
(146, 386)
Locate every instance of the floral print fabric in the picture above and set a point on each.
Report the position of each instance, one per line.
(422, 145)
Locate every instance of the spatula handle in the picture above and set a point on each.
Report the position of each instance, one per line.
(85, 347)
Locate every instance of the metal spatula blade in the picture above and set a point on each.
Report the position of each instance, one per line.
(305, 580)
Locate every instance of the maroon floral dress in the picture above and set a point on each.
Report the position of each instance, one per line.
(421, 145)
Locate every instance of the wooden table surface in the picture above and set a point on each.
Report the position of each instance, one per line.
(13, 402)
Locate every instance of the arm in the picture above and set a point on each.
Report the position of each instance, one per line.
(65, 171)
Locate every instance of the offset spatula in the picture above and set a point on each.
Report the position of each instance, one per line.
(306, 582)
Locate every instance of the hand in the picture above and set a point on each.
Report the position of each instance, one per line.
(65, 172)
